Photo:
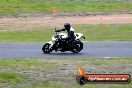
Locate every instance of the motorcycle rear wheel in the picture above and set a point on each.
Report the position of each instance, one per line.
(78, 47)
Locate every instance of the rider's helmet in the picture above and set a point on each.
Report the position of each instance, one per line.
(67, 26)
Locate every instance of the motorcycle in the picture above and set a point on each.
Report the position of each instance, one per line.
(61, 43)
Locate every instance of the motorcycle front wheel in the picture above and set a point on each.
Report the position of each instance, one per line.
(77, 47)
(46, 48)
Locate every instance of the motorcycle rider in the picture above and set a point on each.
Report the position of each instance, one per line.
(70, 32)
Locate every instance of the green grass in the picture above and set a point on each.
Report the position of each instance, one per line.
(29, 63)
(14, 75)
(45, 6)
(27, 36)
(91, 32)
(106, 32)
(9, 77)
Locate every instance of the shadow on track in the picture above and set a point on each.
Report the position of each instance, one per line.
(64, 54)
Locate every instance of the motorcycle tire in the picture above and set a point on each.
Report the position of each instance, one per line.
(77, 49)
(46, 47)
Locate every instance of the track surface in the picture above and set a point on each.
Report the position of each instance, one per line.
(91, 49)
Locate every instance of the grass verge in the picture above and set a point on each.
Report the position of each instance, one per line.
(45, 6)
(9, 77)
(60, 73)
(91, 32)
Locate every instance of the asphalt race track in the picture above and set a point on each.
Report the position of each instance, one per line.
(91, 49)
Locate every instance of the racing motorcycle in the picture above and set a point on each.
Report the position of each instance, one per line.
(60, 43)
